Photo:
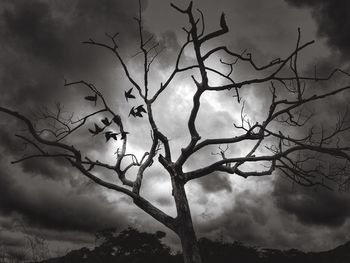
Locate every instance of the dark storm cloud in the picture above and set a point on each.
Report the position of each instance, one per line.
(52, 168)
(243, 221)
(44, 43)
(6, 190)
(312, 206)
(41, 45)
(31, 28)
(320, 207)
(333, 21)
(215, 182)
(7, 140)
(53, 205)
(254, 219)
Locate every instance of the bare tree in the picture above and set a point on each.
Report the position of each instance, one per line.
(273, 144)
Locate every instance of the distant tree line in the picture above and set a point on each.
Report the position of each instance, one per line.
(133, 246)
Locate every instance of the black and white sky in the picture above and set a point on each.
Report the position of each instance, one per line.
(41, 45)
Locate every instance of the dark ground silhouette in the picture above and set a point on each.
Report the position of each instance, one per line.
(133, 246)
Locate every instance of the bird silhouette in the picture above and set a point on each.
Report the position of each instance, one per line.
(137, 112)
(117, 120)
(97, 130)
(141, 109)
(110, 135)
(92, 98)
(132, 112)
(106, 122)
(124, 133)
(223, 22)
(128, 95)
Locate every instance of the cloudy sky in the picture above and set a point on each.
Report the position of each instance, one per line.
(42, 46)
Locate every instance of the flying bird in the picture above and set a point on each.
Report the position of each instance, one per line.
(117, 120)
(97, 130)
(223, 22)
(110, 135)
(141, 109)
(106, 122)
(128, 95)
(137, 112)
(124, 133)
(92, 98)
(132, 112)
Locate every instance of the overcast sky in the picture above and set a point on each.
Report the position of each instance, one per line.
(41, 46)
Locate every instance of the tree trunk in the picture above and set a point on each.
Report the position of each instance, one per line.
(185, 230)
(189, 243)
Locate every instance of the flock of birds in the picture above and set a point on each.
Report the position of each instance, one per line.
(135, 112)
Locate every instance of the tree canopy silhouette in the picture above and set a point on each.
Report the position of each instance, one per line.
(285, 141)
(129, 245)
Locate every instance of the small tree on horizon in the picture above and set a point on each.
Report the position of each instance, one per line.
(272, 142)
